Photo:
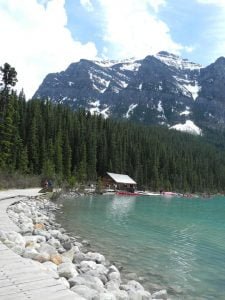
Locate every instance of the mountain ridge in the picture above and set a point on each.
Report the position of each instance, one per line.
(162, 89)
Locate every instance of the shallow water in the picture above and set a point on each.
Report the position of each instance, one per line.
(176, 243)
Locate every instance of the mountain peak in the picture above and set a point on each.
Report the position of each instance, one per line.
(176, 61)
(162, 89)
(220, 60)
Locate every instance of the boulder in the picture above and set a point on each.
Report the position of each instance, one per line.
(112, 285)
(67, 270)
(120, 295)
(97, 257)
(132, 285)
(69, 254)
(42, 257)
(90, 281)
(139, 295)
(79, 257)
(46, 248)
(162, 294)
(114, 276)
(41, 232)
(67, 245)
(64, 282)
(12, 238)
(55, 233)
(50, 266)
(54, 242)
(39, 226)
(86, 292)
(30, 239)
(64, 238)
(26, 228)
(18, 249)
(30, 253)
(107, 296)
(56, 259)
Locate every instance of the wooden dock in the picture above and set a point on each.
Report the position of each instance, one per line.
(21, 278)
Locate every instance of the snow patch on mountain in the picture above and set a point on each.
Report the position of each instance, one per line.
(123, 84)
(188, 127)
(105, 112)
(140, 86)
(186, 112)
(110, 63)
(194, 89)
(159, 107)
(96, 109)
(130, 109)
(131, 67)
(176, 61)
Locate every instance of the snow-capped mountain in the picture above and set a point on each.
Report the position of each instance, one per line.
(162, 89)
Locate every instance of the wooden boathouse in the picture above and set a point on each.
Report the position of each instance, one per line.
(119, 182)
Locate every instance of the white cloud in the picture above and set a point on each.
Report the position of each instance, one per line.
(35, 40)
(155, 4)
(132, 28)
(87, 5)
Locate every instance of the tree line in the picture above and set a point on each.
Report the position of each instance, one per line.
(41, 138)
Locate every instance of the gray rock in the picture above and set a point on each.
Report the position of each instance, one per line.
(50, 266)
(64, 238)
(160, 295)
(132, 285)
(54, 242)
(34, 238)
(114, 276)
(12, 238)
(120, 295)
(41, 232)
(30, 253)
(79, 257)
(46, 248)
(42, 257)
(67, 270)
(87, 266)
(90, 281)
(69, 254)
(97, 257)
(64, 282)
(55, 233)
(112, 285)
(139, 295)
(18, 249)
(67, 245)
(107, 296)
(26, 228)
(86, 292)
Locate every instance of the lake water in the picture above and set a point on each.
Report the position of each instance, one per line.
(176, 243)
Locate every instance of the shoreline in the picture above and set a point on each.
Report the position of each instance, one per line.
(86, 273)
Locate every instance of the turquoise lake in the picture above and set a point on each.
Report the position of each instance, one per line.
(176, 243)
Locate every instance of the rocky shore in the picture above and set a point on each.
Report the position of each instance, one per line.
(87, 274)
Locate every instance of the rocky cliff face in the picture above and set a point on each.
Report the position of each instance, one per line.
(162, 89)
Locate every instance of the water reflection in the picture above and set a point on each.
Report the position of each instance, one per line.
(120, 207)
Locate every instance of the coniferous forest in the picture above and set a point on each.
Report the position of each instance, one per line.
(41, 138)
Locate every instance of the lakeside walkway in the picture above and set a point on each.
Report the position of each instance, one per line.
(21, 278)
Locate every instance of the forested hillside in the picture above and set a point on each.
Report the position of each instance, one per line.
(38, 137)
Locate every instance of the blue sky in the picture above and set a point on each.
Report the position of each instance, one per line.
(43, 36)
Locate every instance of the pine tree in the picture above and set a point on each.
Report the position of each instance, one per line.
(8, 80)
